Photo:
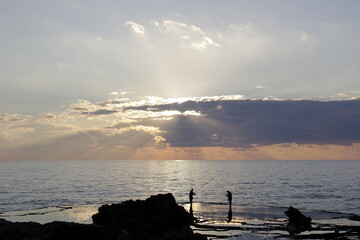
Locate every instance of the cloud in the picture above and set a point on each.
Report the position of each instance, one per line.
(85, 107)
(102, 112)
(120, 93)
(8, 118)
(248, 123)
(223, 121)
(197, 123)
(180, 27)
(194, 35)
(134, 136)
(15, 126)
(136, 28)
(90, 144)
(113, 102)
(204, 43)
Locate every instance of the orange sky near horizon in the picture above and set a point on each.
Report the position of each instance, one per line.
(272, 152)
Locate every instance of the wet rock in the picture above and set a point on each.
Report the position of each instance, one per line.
(297, 219)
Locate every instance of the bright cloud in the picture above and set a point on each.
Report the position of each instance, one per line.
(136, 28)
(204, 43)
(181, 27)
(196, 37)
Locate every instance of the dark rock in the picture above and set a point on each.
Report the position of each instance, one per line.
(158, 217)
(297, 219)
(198, 236)
(354, 218)
(159, 210)
(53, 231)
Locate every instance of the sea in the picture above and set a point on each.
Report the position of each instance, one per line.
(258, 187)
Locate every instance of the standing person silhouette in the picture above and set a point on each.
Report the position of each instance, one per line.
(229, 196)
(191, 196)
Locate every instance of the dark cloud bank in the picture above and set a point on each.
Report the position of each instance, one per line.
(244, 123)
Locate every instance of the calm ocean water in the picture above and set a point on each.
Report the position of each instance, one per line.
(308, 185)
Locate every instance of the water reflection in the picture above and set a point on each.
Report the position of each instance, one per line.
(79, 214)
(191, 210)
(229, 215)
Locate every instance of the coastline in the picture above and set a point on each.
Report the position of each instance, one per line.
(213, 220)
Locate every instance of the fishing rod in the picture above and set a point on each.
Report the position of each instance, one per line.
(209, 180)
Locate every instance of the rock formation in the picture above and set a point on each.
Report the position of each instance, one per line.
(52, 231)
(298, 222)
(156, 218)
(297, 219)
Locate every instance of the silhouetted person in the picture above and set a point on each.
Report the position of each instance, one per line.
(191, 196)
(229, 196)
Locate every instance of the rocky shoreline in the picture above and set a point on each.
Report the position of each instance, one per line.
(156, 218)
(160, 218)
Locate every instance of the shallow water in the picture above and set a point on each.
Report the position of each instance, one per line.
(308, 185)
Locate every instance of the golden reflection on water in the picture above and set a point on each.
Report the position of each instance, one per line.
(217, 213)
(79, 214)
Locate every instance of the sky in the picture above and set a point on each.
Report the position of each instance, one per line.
(172, 79)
